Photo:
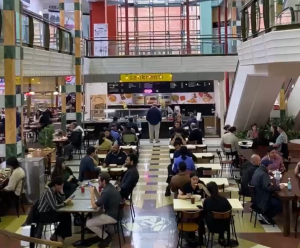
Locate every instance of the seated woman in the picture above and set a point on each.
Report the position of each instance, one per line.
(275, 158)
(103, 143)
(216, 203)
(194, 187)
(252, 133)
(260, 141)
(63, 171)
(51, 200)
(184, 157)
(14, 184)
(176, 129)
(274, 134)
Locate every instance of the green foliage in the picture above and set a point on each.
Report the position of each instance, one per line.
(241, 134)
(46, 136)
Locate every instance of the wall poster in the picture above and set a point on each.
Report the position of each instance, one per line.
(100, 39)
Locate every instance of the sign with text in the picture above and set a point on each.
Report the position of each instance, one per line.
(100, 39)
(152, 77)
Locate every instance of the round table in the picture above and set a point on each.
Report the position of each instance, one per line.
(295, 141)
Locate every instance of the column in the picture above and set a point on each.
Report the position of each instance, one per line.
(62, 80)
(78, 59)
(13, 55)
(100, 14)
(233, 42)
(206, 27)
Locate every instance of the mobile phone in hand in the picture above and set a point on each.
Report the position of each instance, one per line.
(72, 197)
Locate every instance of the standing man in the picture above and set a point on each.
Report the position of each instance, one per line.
(154, 119)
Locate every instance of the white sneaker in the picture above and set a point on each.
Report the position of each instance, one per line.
(157, 141)
(151, 141)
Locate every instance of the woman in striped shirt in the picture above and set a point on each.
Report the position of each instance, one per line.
(51, 200)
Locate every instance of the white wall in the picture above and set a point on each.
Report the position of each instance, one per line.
(36, 6)
(293, 104)
(93, 89)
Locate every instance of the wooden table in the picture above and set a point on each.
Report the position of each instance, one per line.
(218, 181)
(214, 167)
(249, 143)
(113, 169)
(81, 207)
(288, 196)
(185, 128)
(186, 205)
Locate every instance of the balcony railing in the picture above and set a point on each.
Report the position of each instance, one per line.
(39, 32)
(260, 17)
(165, 46)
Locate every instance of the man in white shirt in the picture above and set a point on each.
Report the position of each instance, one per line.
(230, 139)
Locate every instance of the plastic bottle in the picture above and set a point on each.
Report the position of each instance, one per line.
(289, 186)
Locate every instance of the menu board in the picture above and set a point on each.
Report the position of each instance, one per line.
(193, 98)
(161, 87)
(113, 99)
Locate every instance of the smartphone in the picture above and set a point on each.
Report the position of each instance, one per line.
(90, 184)
(72, 197)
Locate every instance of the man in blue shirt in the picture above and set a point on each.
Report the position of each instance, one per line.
(115, 134)
(87, 165)
(115, 156)
(154, 120)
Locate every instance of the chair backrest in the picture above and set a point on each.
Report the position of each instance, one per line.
(115, 173)
(221, 187)
(228, 146)
(204, 172)
(128, 138)
(226, 194)
(127, 150)
(200, 149)
(120, 211)
(222, 216)
(252, 191)
(192, 142)
(203, 160)
(219, 155)
(238, 181)
(190, 215)
(22, 181)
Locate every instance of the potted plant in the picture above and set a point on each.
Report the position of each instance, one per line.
(46, 136)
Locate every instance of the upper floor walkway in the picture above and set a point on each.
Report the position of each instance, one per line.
(49, 51)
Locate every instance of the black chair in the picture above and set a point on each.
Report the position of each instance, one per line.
(131, 207)
(224, 162)
(254, 208)
(18, 198)
(204, 172)
(215, 227)
(241, 194)
(117, 226)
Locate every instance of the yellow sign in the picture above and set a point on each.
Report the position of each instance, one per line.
(35, 80)
(149, 77)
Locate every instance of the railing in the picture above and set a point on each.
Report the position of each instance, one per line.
(161, 46)
(39, 32)
(9, 236)
(260, 17)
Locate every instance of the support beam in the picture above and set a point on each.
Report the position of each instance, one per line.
(11, 19)
(78, 59)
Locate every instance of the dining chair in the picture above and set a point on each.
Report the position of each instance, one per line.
(223, 163)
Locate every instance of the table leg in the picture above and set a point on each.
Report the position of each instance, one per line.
(287, 221)
(81, 242)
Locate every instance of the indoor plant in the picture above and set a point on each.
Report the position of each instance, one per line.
(46, 136)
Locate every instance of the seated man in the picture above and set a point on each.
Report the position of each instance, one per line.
(87, 165)
(131, 177)
(115, 156)
(248, 171)
(264, 200)
(115, 134)
(176, 129)
(109, 200)
(75, 141)
(132, 125)
(180, 179)
(195, 134)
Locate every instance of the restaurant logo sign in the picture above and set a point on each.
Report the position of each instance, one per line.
(149, 77)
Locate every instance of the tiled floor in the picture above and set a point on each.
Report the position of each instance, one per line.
(154, 225)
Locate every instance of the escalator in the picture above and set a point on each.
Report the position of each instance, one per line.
(252, 96)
